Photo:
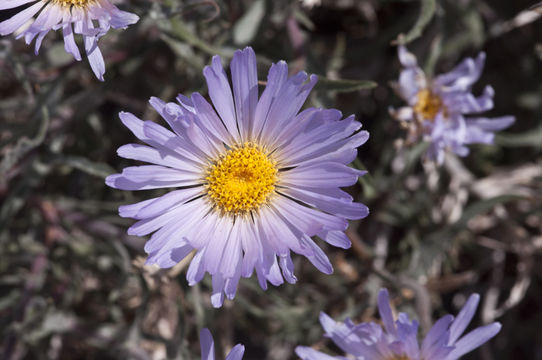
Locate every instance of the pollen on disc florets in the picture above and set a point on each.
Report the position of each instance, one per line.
(428, 105)
(69, 3)
(241, 180)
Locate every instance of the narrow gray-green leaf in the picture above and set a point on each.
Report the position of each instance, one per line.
(344, 85)
(246, 28)
(100, 170)
(530, 138)
(481, 207)
(303, 19)
(427, 10)
(24, 145)
(180, 31)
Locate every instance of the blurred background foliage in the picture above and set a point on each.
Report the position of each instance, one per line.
(73, 284)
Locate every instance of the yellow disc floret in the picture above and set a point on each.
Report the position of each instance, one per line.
(428, 105)
(241, 180)
(69, 3)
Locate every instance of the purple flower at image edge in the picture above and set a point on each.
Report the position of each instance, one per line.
(398, 340)
(208, 347)
(255, 178)
(440, 110)
(90, 18)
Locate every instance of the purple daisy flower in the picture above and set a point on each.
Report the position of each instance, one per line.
(256, 178)
(208, 347)
(90, 18)
(436, 107)
(398, 340)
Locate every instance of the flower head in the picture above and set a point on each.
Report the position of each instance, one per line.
(437, 107)
(90, 18)
(256, 178)
(398, 340)
(208, 347)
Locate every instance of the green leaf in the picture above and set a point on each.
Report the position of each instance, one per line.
(434, 54)
(303, 19)
(180, 31)
(24, 145)
(344, 85)
(473, 36)
(530, 138)
(246, 28)
(427, 11)
(100, 170)
(481, 207)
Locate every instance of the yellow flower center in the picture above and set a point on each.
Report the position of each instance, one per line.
(398, 357)
(428, 105)
(69, 3)
(241, 180)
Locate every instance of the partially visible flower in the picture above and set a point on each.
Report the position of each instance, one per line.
(90, 18)
(255, 178)
(398, 340)
(208, 347)
(436, 107)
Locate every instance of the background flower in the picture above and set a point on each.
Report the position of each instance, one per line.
(399, 338)
(436, 107)
(90, 18)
